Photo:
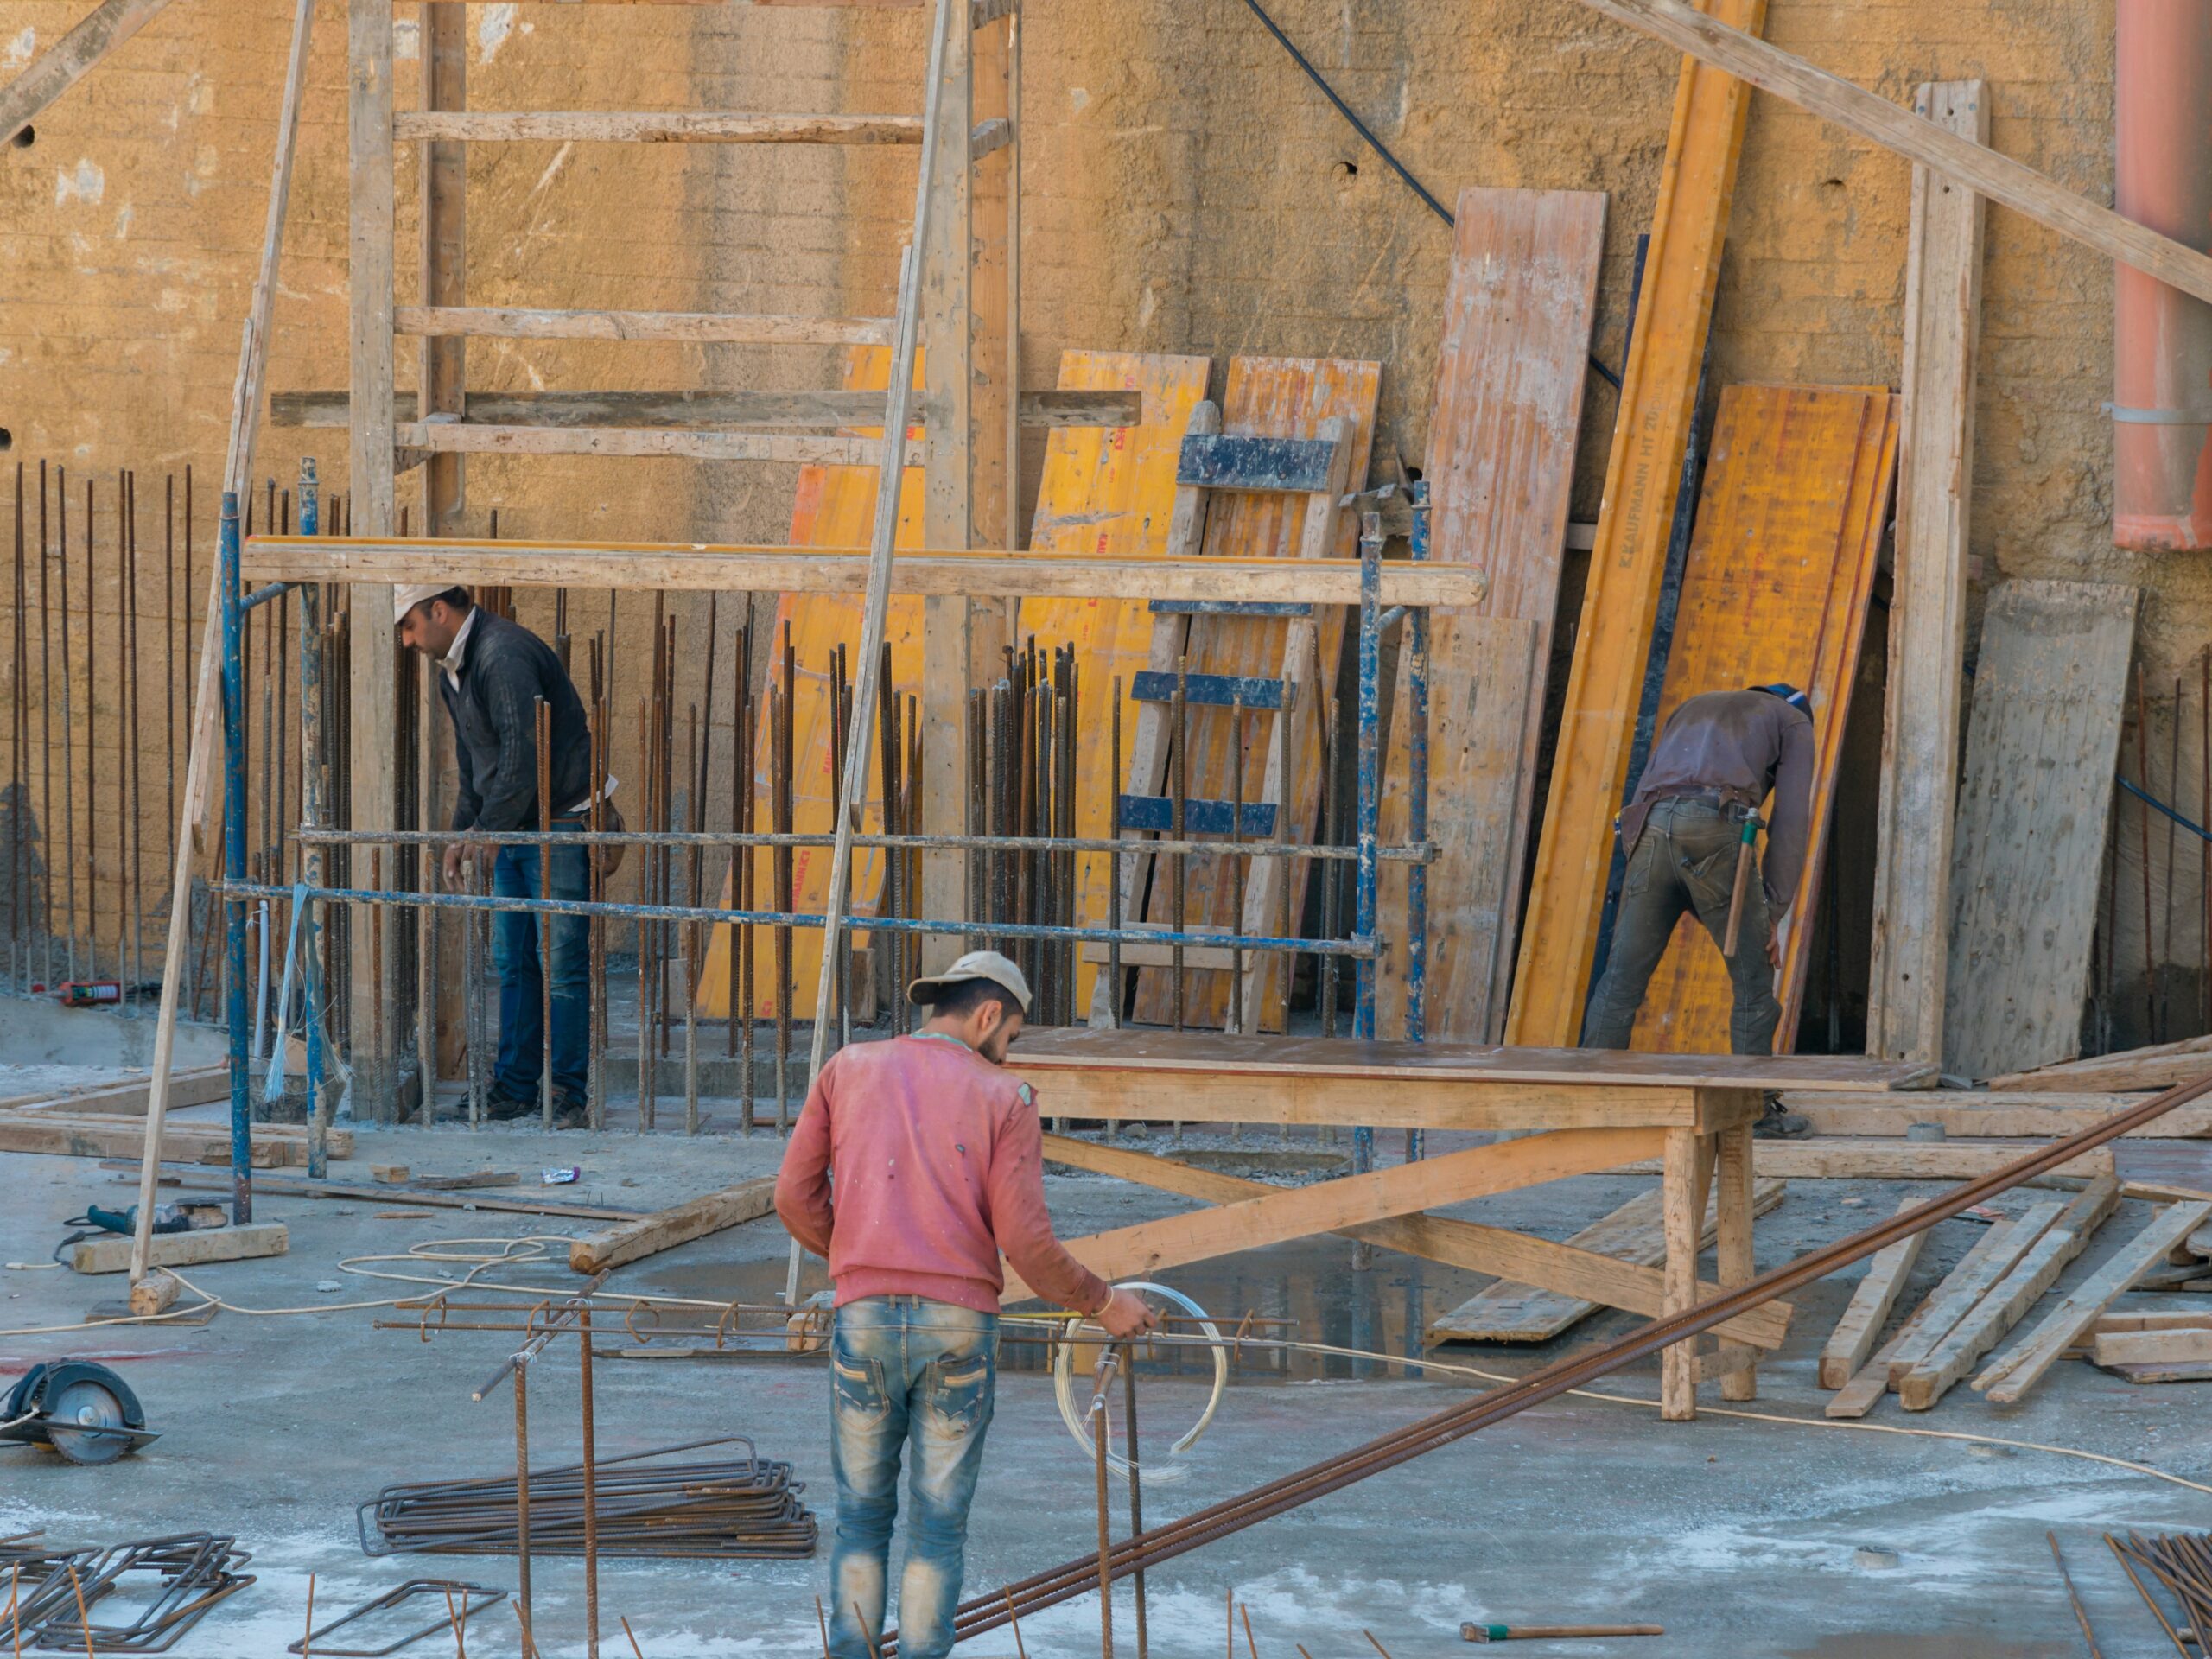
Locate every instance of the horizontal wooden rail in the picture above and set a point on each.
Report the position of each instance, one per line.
(979, 574)
(652, 127)
(700, 327)
(458, 438)
(1079, 406)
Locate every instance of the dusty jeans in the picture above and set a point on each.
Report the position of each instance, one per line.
(1685, 859)
(905, 1370)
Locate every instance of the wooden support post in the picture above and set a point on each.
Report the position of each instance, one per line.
(1732, 1205)
(372, 487)
(1642, 478)
(954, 652)
(1682, 1206)
(1920, 739)
(107, 26)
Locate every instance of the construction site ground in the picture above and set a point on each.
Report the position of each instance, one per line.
(1737, 1536)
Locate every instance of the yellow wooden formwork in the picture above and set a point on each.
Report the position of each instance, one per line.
(1277, 398)
(1108, 491)
(1775, 587)
(835, 507)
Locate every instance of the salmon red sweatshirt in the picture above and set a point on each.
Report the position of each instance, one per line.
(915, 1163)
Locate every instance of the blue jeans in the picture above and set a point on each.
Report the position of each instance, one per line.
(906, 1369)
(521, 987)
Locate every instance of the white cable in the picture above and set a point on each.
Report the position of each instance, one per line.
(1170, 1470)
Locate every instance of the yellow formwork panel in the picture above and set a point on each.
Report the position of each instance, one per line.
(1779, 575)
(1108, 491)
(1274, 397)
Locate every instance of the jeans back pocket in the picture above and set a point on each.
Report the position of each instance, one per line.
(858, 1383)
(960, 1392)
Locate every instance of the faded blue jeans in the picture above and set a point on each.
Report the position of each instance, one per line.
(907, 1372)
(522, 986)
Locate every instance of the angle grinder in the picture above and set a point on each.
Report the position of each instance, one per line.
(79, 1409)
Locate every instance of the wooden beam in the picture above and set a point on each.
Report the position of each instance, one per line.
(479, 438)
(1076, 407)
(665, 1229)
(1950, 1360)
(113, 1255)
(1998, 177)
(1587, 1274)
(1956, 1296)
(1871, 1380)
(107, 26)
(981, 574)
(653, 126)
(1298, 1212)
(89, 1136)
(1659, 381)
(2113, 1071)
(693, 327)
(1845, 1352)
(1927, 639)
(2016, 1370)
(1970, 1115)
(198, 1087)
(1872, 1158)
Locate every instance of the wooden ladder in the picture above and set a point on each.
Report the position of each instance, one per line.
(963, 413)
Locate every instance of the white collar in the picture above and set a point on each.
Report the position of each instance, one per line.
(451, 661)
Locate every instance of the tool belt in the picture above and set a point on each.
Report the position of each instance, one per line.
(1731, 803)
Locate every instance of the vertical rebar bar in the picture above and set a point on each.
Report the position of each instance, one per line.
(1114, 879)
(46, 731)
(68, 718)
(1236, 869)
(522, 1487)
(781, 784)
(1136, 1480)
(590, 1477)
(170, 739)
(543, 920)
(1178, 808)
(695, 776)
(133, 731)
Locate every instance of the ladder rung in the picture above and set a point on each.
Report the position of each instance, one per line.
(1208, 691)
(724, 408)
(517, 322)
(1156, 814)
(653, 127)
(995, 134)
(1218, 461)
(1222, 606)
(458, 438)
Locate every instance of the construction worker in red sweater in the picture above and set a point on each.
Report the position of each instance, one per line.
(915, 1164)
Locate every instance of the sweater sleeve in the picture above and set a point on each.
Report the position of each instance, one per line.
(802, 1182)
(1020, 1223)
(1791, 811)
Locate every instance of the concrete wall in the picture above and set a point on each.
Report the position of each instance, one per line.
(1187, 190)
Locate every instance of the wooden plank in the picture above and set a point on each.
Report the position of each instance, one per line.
(198, 1087)
(712, 1212)
(1999, 177)
(1297, 1213)
(2016, 1370)
(653, 127)
(1634, 1285)
(109, 1137)
(1108, 493)
(1871, 1380)
(1684, 1180)
(1973, 1114)
(1659, 379)
(1519, 310)
(1733, 1178)
(1926, 637)
(1780, 573)
(1953, 1300)
(1522, 1310)
(838, 568)
(2044, 737)
(2162, 1348)
(1067, 406)
(1950, 1360)
(2096, 1072)
(246, 1244)
(68, 61)
(2160, 1073)
(215, 1133)
(479, 438)
(1845, 1352)
(1872, 1158)
(693, 328)
(1279, 398)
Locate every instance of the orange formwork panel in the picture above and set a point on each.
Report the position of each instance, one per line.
(1775, 587)
(1108, 491)
(1697, 187)
(1278, 397)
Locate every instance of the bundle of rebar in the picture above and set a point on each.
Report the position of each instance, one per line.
(1022, 765)
(192, 1571)
(740, 1509)
(2182, 1562)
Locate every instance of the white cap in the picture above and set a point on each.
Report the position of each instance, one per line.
(407, 596)
(977, 964)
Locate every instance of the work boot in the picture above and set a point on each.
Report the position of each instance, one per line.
(570, 1112)
(500, 1107)
(1776, 1124)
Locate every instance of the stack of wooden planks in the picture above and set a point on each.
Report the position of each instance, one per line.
(2159, 1066)
(106, 1122)
(1994, 1286)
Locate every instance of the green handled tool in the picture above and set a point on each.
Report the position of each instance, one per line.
(1471, 1632)
(1744, 849)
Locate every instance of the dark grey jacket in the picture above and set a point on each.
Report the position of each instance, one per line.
(505, 668)
(1739, 747)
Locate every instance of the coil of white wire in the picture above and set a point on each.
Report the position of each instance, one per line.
(1169, 1469)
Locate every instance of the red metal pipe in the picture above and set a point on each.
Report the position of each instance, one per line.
(2162, 338)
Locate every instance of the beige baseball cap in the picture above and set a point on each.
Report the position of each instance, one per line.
(977, 964)
(407, 596)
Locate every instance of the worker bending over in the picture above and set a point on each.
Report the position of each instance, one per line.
(915, 1163)
(492, 672)
(1718, 757)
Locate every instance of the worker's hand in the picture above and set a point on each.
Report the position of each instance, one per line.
(459, 856)
(1128, 1315)
(1774, 952)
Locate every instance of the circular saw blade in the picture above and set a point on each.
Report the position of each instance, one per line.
(87, 1405)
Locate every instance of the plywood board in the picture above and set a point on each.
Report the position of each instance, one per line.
(1697, 186)
(1108, 491)
(1508, 405)
(1281, 397)
(1779, 570)
(2033, 806)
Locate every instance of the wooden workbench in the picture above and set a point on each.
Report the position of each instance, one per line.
(1578, 1111)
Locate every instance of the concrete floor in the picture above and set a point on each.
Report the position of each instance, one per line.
(1739, 1536)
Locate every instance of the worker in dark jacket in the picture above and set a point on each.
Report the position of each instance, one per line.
(1718, 758)
(491, 673)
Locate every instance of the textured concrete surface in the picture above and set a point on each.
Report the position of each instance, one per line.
(1739, 1536)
